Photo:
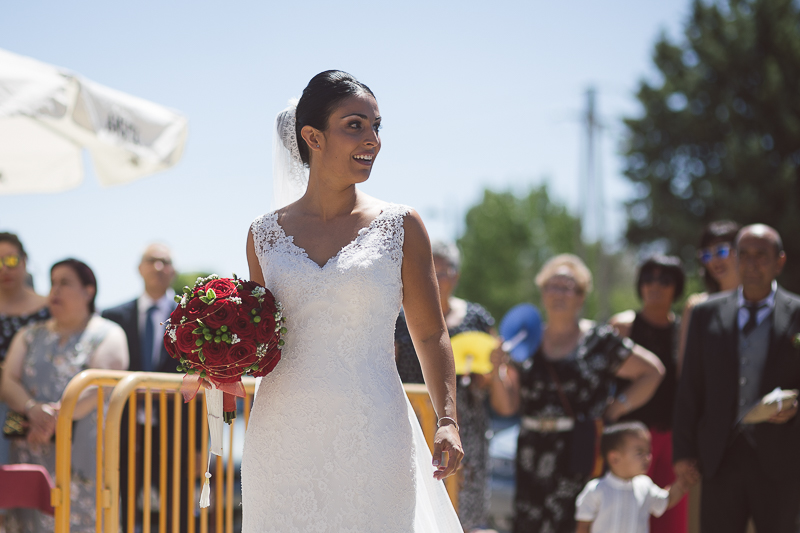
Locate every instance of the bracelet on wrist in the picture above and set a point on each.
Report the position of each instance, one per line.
(30, 404)
(453, 420)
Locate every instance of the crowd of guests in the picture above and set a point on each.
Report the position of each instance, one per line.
(45, 342)
(671, 392)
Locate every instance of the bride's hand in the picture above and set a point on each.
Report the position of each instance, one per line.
(447, 440)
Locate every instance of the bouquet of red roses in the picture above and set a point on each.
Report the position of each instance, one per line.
(223, 329)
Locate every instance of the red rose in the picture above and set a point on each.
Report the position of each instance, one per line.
(185, 339)
(222, 288)
(220, 313)
(264, 330)
(221, 363)
(248, 286)
(176, 315)
(246, 294)
(248, 301)
(215, 353)
(243, 353)
(195, 309)
(170, 346)
(241, 325)
(267, 363)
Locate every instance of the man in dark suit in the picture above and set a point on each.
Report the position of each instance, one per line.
(143, 317)
(741, 345)
(142, 321)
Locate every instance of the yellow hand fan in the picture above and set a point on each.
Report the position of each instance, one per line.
(472, 352)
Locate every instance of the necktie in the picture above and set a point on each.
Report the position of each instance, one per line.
(752, 320)
(148, 340)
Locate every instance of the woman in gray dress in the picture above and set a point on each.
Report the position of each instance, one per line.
(40, 362)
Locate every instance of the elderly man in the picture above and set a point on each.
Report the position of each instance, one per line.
(742, 344)
(142, 318)
(142, 321)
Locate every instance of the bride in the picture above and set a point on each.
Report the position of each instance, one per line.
(332, 443)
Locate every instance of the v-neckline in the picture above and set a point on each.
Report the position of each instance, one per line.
(303, 253)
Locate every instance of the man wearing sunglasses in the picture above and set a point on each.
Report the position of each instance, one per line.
(742, 344)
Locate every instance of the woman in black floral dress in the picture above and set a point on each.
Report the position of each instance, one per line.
(567, 381)
(19, 306)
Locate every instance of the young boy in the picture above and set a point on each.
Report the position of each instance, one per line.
(623, 500)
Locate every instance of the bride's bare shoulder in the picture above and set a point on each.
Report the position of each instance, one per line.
(370, 207)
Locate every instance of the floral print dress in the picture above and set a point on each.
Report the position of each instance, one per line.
(9, 325)
(48, 368)
(473, 417)
(546, 487)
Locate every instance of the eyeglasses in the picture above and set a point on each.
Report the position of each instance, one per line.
(11, 261)
(663, 279)
(153, 260)
(562, 289)
(449, 273)
(720, 251)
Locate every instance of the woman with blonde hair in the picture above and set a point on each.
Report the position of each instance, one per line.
(564, 388)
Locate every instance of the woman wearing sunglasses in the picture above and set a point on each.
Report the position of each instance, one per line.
(659, 284)
(19, 305)
(717, 256)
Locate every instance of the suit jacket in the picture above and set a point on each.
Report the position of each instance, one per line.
(127, 316)
(708, 393)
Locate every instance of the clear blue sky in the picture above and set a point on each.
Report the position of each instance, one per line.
(472, 94)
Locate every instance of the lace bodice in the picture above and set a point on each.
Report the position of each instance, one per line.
(331, 444)
(355, 297)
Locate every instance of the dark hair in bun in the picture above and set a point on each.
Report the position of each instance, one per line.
(322, 94)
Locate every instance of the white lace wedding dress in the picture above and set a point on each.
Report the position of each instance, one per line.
(333, 444)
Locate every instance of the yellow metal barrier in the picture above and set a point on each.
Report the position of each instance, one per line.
(133, 389)
(423, 407)
(60, 495)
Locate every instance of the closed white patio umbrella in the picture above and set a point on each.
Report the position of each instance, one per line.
(48, 115)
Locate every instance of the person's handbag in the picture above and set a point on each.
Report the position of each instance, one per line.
(584, 444)
(15, 425)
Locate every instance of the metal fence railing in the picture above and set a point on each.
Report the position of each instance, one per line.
(149, 396)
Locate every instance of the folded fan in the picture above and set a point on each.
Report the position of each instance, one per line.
(522, 330)
(472, 352)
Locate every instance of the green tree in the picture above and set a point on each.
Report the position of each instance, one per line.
(507, 240)
(720, 133)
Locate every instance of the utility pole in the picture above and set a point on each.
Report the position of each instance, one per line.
(592, 203)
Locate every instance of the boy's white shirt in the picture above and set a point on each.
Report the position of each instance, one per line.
(615, 505)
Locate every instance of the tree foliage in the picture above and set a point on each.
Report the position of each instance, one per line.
(507, 240)
(720, 135)
(186, 279)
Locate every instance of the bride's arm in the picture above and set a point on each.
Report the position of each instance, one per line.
(252, 261)
(431, 340)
